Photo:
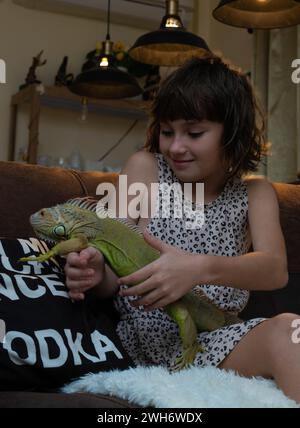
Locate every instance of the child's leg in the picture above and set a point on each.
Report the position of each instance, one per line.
(268, 351)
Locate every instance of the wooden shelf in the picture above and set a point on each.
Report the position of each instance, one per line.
(60, 97)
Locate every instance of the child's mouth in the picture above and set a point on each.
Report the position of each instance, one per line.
(181, 162)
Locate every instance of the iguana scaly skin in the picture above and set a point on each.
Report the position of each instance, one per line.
(79, 223)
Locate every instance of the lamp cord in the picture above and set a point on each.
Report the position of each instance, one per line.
(108, 20)
(119, 141)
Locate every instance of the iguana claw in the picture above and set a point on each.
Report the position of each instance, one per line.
(186, 359)
(41, 258)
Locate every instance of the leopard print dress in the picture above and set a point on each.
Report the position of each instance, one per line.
(152, 337)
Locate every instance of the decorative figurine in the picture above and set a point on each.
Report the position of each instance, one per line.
(31, 76)
(62, 78)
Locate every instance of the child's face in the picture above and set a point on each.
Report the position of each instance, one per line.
(197, 145)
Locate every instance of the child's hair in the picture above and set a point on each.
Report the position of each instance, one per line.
(207, 88)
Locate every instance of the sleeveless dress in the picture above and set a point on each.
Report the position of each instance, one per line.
(153, 337)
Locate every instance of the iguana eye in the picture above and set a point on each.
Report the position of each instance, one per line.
(60, 231)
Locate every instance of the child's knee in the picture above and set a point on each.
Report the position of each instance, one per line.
(284, 322)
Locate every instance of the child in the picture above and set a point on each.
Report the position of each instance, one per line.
(204, 129)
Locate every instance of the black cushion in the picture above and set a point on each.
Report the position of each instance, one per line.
(48, 339)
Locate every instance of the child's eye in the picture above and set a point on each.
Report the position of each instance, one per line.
(166, 133)
(195, 135)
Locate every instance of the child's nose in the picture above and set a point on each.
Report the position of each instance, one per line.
(177, 146)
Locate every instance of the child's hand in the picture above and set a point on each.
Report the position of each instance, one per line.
(84, 270)
(165, 280)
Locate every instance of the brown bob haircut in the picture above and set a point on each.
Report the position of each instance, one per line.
(208, 89)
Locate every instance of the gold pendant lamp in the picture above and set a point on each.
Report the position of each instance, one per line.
(171, 45)
(258, 14)
(104, 80)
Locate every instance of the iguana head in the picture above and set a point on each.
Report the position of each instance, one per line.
(66, 220)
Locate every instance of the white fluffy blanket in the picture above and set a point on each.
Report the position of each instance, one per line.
(196, 387)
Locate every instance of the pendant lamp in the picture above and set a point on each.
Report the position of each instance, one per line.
(171, 45)
(104, 80)
(258, 14)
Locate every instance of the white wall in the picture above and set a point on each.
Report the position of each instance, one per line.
(24, 32)
(235, 44)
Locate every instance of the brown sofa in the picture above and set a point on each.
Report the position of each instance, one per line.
(27, 188)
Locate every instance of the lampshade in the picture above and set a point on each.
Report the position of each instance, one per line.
(260, 14)
(103, 80)
(171, 45)
(109, 83)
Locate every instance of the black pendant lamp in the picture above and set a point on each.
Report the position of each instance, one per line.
(171, 45)
(258, 14)
(104, 80)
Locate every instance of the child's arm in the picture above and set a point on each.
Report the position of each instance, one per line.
(86, 270)
(266, 267)
(176, 272)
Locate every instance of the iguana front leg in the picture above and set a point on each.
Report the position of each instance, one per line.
(188, 334)
(77, 243)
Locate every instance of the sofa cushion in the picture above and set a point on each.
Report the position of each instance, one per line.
(289, 203)
(47, 339)
(27, 188)
(270, 303)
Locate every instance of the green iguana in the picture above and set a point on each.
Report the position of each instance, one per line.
(79, 223)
